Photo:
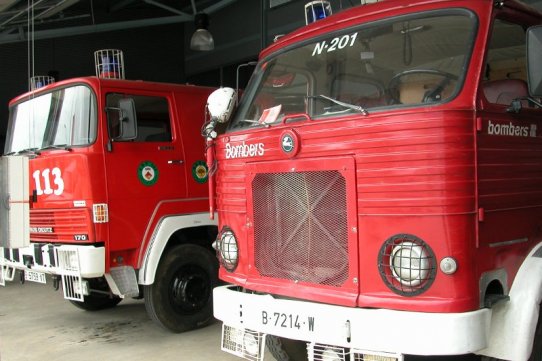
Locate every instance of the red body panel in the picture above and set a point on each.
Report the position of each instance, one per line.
(95, 175)
(432, 171)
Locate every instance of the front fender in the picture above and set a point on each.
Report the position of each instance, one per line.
(513, 323)
(165, 228)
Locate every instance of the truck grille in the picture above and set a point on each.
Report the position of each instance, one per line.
(300, 226)
(59, 225)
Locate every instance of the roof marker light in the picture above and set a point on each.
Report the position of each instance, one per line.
(39, 81)
(109, 64)
(316, 10)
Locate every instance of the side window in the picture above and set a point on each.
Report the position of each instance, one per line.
(152, 114)
(506, 68)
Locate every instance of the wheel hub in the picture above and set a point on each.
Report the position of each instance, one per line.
(190, 289)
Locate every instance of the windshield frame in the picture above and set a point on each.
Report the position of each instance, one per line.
(56, 118)
(256, 82)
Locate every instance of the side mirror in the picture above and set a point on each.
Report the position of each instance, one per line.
(128, 119)
(534, 65)
(221, 104)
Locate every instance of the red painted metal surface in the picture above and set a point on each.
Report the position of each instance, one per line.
(430, 171)
(94, 175)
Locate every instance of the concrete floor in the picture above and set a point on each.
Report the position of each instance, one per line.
(36, 323)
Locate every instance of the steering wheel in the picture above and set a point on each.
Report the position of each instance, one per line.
(429, 96)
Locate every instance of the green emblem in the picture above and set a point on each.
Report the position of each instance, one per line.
(199, 171)
(147, 173)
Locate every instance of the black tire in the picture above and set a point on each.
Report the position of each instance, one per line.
(181, 297)
(97, 301)
(284, 349)
(536, 354)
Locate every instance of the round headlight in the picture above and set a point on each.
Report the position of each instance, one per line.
(407, 264)
(251, 344)
(228, 250)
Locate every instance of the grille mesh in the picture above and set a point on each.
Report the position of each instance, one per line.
(300, 226)
(64, 223)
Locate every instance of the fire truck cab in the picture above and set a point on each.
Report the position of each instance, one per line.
(379, 187)
(105, 179)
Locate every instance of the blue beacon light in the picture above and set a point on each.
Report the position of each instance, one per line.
(316, 10)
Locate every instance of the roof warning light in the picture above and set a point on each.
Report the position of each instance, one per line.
(109, 64)
(39, 81)
(316, 10)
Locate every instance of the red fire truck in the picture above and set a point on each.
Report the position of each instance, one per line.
(113, 178)
(379, 187)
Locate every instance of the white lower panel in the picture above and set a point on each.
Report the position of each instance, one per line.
(367, 329)
(89, 261)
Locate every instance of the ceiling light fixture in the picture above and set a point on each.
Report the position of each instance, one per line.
(202, 39)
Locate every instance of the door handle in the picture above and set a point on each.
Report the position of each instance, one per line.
(175, 161)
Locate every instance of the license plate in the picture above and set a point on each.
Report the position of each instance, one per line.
(288, 320)
(34, 276)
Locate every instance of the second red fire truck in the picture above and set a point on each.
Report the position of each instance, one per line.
(104, 190)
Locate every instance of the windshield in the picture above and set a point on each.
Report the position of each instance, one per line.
(64, 117)
(404, 61)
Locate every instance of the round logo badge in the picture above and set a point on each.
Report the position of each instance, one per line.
(147, 173)
(199, 171)
(289, 143)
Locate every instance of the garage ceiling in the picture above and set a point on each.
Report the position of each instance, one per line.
(54, 18)
(58, 18)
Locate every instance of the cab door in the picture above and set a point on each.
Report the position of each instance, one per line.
(508, 141)
(145, 165)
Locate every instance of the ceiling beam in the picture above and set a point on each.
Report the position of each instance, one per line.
(121, 4)
(92, 29)
(5, 4)
(165, 7)
(22, 12)
(56, 8)
(219, 5)
(182, 17)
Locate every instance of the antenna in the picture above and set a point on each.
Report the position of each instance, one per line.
(30, 44)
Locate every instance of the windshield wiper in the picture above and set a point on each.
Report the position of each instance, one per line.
(54, 146)
(31, 151)
(358, 108)
(37, 151)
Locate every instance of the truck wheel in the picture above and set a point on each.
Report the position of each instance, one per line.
(180, 299)
(284, 349)
(97, 301)
(536, 354)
